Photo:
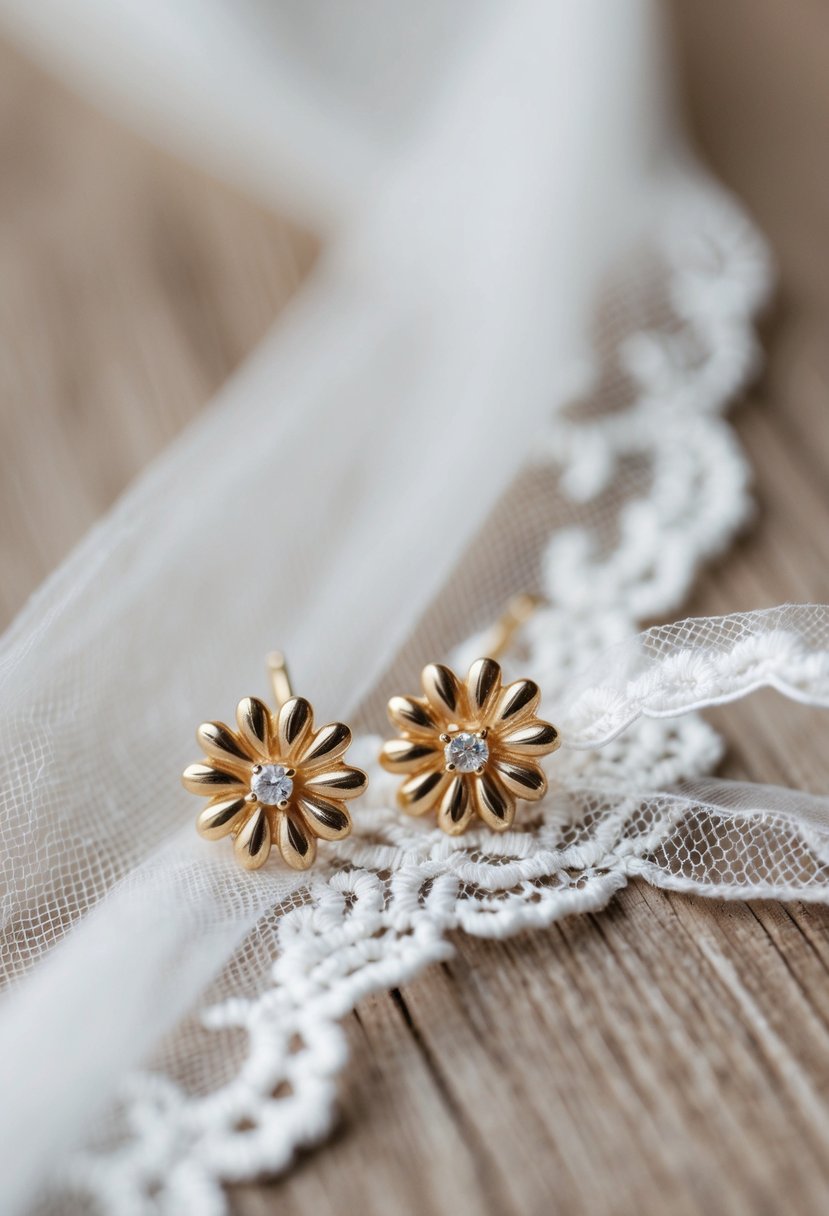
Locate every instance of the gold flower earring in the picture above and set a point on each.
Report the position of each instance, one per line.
(274, 779)
(471, 748)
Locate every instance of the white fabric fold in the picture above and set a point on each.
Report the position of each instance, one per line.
(112, 987)
(520, 223)
(321, 504)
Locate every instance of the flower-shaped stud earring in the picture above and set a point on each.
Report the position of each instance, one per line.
(274, 779)
(469, 748)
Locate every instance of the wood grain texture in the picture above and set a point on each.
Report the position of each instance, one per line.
(130, 289)
(668, 1054)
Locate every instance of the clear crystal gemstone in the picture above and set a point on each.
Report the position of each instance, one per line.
(271, 784)
(467, 752)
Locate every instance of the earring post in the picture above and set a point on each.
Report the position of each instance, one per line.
(280, 679)
(518, 611)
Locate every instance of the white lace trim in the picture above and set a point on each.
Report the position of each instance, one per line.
(694, 664)
(379, 906)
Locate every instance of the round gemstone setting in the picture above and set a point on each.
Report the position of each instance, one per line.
(466, 753)
(271, 784)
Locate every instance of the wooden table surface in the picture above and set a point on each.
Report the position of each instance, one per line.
(665, 1055)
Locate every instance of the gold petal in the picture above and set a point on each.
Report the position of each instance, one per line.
(422, 791)
(337, 783)
(294, 724)
(296, 844)
(537, 738)
(444, 691)
(412, 716)
(455, 809)
(254, 721)
(327, 819)
(206, 780)
(408, 756)
(483, 684)
(220, 743)
(328, 744)
(523, 779)
(492, 802)
(517, 702)
(220, 817)
(253, 843)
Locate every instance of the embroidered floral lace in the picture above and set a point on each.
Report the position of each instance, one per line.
(250, 1075)
(176, 1021)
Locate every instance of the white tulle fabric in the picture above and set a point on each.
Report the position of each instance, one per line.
(508, 373)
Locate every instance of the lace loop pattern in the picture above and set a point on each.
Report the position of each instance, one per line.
(629, 796)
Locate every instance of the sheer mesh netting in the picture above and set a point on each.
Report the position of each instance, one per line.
(638, 483)
(445, 437)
